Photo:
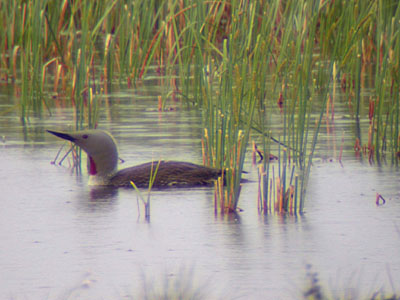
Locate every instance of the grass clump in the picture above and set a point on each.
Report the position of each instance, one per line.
(146, 203)
(181, 285)
(315, 291)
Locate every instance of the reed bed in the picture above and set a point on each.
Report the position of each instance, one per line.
(228, 119)
(368, 33)
(239, 62)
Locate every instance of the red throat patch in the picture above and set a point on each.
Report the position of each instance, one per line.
(92, 167)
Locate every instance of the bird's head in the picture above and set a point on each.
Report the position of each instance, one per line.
(100, 147)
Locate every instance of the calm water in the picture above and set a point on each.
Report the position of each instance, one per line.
(63, 240)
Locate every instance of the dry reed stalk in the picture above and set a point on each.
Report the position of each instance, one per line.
(216, 197)
(154, 40)
(44, 70)
(328, 105)
(14, 61)
(160, 104)
(62, 15)
(221, 193)
(341, 148)
(57, 76)
(260, 191)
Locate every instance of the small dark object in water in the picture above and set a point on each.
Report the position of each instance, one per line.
(378, 200)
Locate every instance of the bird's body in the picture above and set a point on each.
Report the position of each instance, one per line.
(169, 174)
(103, 158)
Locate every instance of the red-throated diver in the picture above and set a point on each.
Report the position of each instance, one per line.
(103, 159)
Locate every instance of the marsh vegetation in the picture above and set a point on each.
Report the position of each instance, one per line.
(239, 62)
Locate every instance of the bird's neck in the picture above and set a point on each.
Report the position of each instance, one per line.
(101, 169)
(92, 168)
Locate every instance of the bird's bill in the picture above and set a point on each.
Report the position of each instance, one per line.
(63, 135)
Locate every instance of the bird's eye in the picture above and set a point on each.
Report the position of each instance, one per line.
(85, 136)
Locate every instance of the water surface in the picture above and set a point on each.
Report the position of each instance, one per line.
(64, 240)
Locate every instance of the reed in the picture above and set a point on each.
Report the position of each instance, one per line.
(229, 97)
(369, 34)
(146, 203)
(228, 114)
(301, 104)
(32, 48)
(356, 38)
(386, 111)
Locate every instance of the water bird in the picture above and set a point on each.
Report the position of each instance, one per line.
(102, 152)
